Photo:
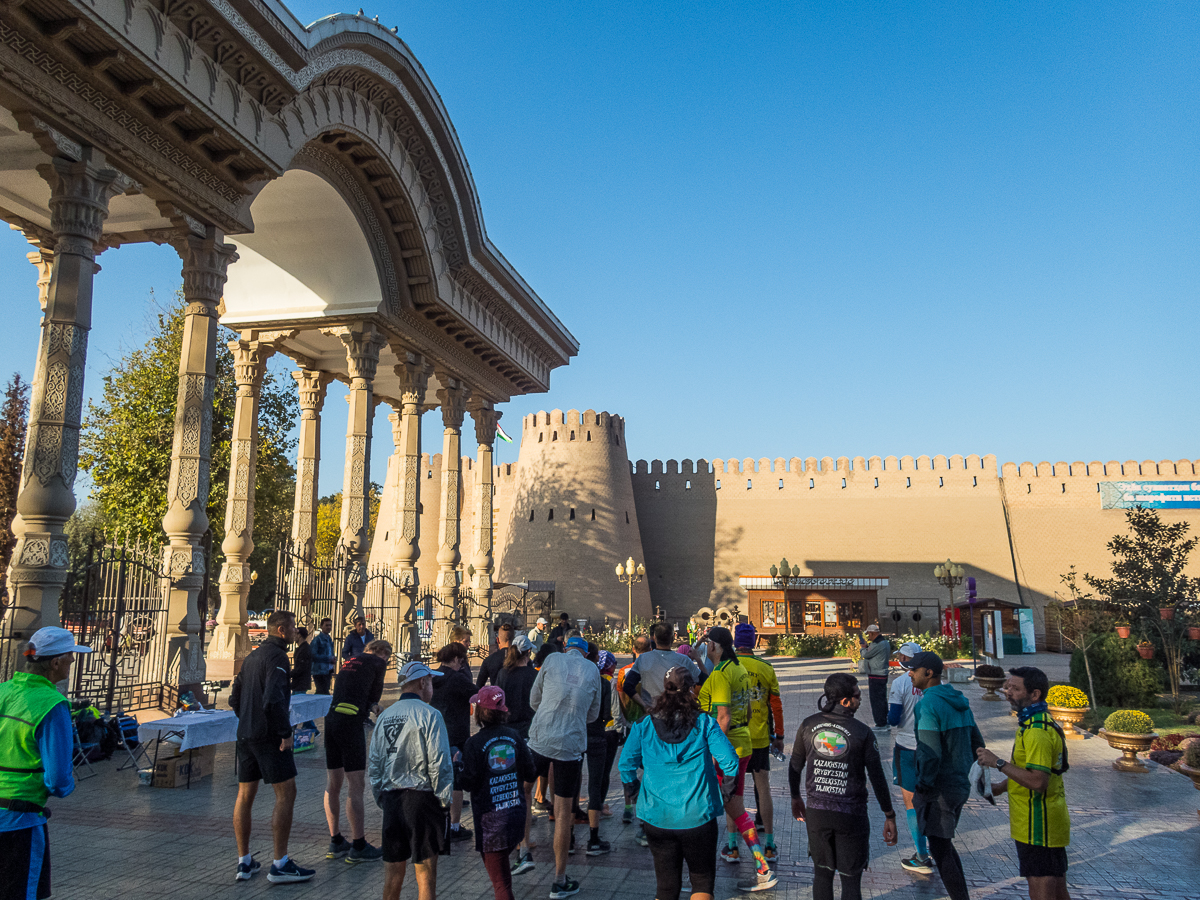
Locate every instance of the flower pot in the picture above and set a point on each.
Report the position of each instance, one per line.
(1167, 612)
(1194, 632)
(1130, 746)
(1146, 652)
(990, 686)
(1191, 773)
(1069, 717)
(1123, 631)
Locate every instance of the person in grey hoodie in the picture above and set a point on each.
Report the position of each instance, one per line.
(947, 738)
(876, 653)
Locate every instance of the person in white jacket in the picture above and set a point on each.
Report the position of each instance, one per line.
(565, 697)
(412, 780)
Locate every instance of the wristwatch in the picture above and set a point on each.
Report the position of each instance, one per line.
(1000, 764)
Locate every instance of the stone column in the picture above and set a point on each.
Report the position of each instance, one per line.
(406, 550)
(230, 640)
(362, 358)
(311, 385)
(486, 417)
(205, 262)
(453, 398)
(80, 192)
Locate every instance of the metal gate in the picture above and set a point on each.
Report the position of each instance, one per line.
(314, 589)
(119, 609)
(383, 606)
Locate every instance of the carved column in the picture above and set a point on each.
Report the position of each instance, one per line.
(362, 358)
(230, 640)
(205, 262)
(406, 550)
(486, 417)
(80, 192)
(453, 398)
(311, 385)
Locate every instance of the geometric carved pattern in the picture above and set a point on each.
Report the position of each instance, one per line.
(36, 553)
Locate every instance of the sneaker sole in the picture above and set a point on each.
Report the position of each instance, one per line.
(599, 852)
(337, 854)
(560, 895)
(919, 870)
(521, 870)
(763, 886)
(289, 879)
(352, 861)
(243, 876)
(733, 862)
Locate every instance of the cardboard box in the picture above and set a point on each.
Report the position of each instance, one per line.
(173, 771)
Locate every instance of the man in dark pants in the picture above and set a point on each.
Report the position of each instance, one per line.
(302, 663)
(947, 738)
(357, 640)
(558, 634)
(261, 700)
(324, 659)
(876, 653)
(489, 671)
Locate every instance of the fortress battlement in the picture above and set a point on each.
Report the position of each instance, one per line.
(827, 466)
(573, 425)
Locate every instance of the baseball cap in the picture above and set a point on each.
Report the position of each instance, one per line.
(927, 659)
(678, 678)
(577, 643)
(685, 650)
(909, 650)
(872, 627)
(414, 669)
(490, 697)
(53, 641)
(744, 635)
(606, 660)
(522, 644)
(542, 620)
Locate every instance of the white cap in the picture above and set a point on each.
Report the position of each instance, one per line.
(872, 627)
(54, 641)
(908, 651)
(414, 669)
(542, 620)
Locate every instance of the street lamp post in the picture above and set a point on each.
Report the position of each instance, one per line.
(630, 574)
(779, 577)
(949, 576)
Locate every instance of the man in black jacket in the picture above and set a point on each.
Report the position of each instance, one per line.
(452, 698)
(302, 663)
(261, 699)
(489, 671)
(835, 755)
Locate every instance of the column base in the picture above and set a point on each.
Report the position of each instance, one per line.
(228, 648)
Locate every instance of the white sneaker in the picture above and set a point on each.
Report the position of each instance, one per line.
(759, 881)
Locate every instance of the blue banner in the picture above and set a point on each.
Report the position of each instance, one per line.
(1150, 494)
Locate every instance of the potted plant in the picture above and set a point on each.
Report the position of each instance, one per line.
(1190, 764)
(991, 679)
(1193, 632)
(1145, 650)
(1167, 612)
(1124, 629)
(1131, 731)
(1068, 706)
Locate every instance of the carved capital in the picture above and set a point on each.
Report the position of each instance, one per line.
(79, 195)
(486, 416)
(43, 261)
(249, 364)
(414, 378)
(205, 267)
(453, 396)
(311, 385)
(362, 353)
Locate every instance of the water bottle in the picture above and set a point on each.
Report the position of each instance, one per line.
(778, 754)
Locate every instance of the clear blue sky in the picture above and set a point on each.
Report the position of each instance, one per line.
(792, 229)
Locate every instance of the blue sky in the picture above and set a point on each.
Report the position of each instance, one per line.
(790, 229)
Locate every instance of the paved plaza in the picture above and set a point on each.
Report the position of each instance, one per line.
(1133, 836)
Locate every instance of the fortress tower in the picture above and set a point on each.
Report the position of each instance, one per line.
(571, 517)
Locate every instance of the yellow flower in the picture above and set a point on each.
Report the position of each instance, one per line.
(1067, 697)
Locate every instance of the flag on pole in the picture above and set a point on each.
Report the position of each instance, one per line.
(500, 434)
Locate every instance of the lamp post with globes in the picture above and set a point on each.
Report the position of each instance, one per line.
(779, 577)
(949, 576)
(630, 574)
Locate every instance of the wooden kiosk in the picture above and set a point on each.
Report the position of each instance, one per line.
(812, 604)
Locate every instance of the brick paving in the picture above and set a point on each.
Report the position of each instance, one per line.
(1133, 836)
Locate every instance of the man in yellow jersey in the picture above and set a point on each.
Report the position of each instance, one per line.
(766, 728)
(1037, 803)
(725, 696)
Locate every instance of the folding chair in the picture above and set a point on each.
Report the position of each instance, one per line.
(127, 739)
(79, 761)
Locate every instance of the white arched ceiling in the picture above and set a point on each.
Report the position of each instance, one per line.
(307, 257)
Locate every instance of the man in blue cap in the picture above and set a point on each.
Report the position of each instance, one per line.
(565, 697)
(36, 749)
(902, 716)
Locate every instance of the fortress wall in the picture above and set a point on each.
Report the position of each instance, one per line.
(574, 460)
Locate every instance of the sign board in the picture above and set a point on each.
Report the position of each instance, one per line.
(951, 624)
(1028, 640)
(1150, 494)
(993, 635)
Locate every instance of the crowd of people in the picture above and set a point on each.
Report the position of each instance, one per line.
(553, 714)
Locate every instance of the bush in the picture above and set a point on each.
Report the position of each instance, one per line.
(1171, 741)
(1129, 721)
(1067, 697)
(1122, 677)
(811, 646)
(987, 671)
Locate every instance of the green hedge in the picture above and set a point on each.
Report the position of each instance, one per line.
(1122, 677)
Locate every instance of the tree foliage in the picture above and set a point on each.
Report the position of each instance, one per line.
(1148, 577)
(14, 419)
(329, 521)
(126, 444)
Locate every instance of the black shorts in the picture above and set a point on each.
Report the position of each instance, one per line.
(415, 827)
(568, 774)
(1041, 862)
(838, 841)
(264, 761)
(760, 760)
(345, 743)
(671, 848)
(22, 853)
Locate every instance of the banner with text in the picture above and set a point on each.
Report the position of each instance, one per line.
(1150, 494)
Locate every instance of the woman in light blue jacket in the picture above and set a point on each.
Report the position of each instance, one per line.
(679, 800)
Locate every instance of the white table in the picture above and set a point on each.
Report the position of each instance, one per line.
(219, 726)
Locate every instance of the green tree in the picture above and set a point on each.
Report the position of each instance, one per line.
(126, 445)
(14, 418)
(1149, 584)
(329, 521)
(1083, 622)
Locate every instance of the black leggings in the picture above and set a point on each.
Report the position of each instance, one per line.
(600, 759)
(949, 866)
(823, 885)
(672, 847)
